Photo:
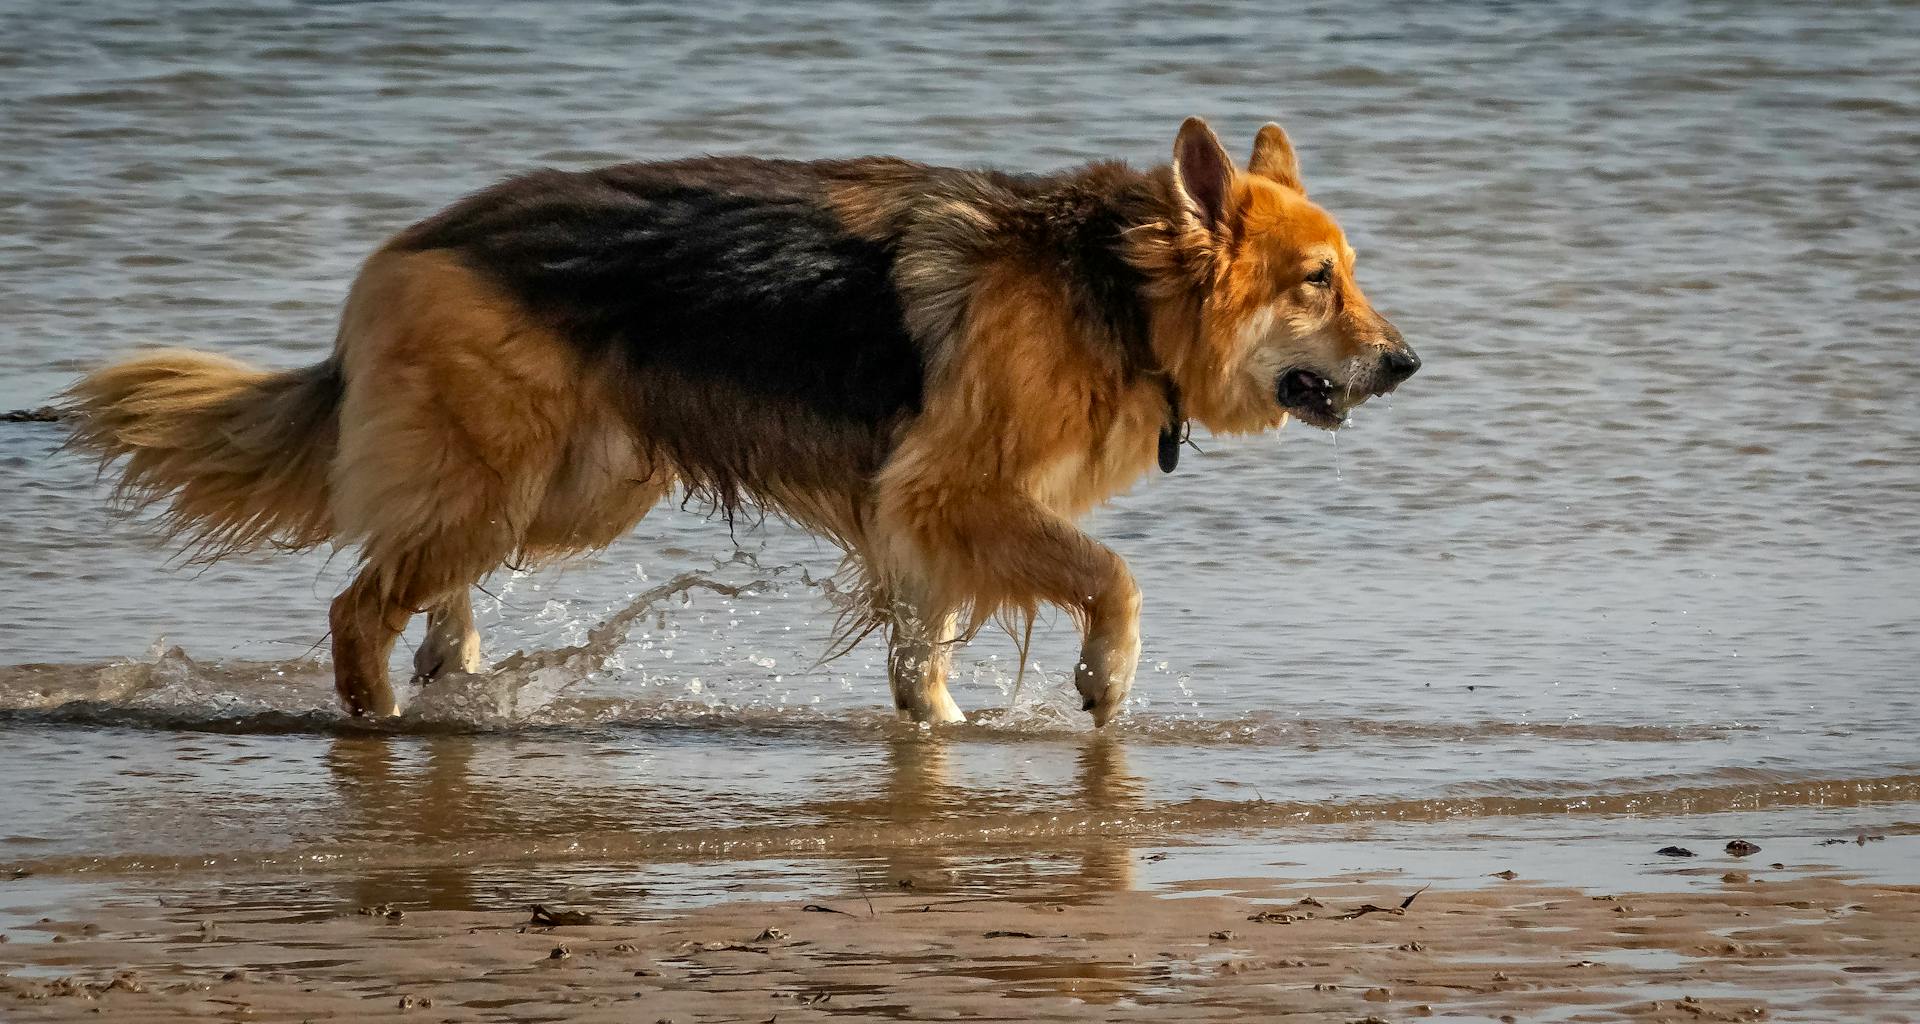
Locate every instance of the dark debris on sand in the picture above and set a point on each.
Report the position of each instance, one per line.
(544, 917)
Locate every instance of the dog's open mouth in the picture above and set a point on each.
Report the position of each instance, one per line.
(1309, 397)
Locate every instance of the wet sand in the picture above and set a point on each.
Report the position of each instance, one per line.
(1759, 945)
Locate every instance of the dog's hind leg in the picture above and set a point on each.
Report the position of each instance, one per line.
(919, 654)
(456, 417)
(370, 614)
(366, 619)
(451, 643)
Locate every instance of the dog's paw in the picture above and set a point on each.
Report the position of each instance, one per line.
(1104, 676)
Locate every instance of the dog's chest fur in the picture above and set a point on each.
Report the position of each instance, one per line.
(1072, 482)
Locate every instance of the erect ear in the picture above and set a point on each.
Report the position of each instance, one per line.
(1273, 157)
(1203, 173)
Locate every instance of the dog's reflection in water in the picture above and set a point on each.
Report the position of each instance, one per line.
(947, 817)
(941, 841)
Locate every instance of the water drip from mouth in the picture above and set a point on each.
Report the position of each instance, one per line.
(1336, 457)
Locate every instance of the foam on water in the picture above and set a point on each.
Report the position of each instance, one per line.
(555, 687)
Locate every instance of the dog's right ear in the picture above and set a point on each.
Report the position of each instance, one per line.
(1273, 157)
(1203, 174)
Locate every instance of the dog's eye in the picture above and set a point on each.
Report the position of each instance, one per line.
(1321, 277)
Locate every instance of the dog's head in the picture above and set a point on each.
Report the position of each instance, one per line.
(1274, 322)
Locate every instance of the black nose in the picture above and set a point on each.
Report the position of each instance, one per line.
(1399, 364)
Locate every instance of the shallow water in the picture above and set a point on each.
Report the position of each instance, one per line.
(1641, 539)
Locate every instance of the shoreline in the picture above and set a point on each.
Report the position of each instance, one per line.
(1744, 948)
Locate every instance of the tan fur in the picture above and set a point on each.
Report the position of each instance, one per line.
(242, 453)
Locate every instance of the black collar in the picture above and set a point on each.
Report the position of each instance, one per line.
(1174, 434)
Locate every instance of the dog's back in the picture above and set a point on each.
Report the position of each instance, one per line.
(758, 345)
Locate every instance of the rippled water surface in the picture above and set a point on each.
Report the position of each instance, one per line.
(1642, 538)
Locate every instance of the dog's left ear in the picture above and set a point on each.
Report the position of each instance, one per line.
(1203, 174)
(1273, 157)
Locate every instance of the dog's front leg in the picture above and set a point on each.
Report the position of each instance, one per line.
(1110, 652)
(993, 550)
(919, 652)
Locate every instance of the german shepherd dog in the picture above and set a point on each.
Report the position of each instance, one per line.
(938, 369)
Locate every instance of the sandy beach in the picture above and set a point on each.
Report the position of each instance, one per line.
(1759, 945)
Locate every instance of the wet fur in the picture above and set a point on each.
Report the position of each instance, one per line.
(939, 369)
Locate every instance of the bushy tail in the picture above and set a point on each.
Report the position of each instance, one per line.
(238, 455)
